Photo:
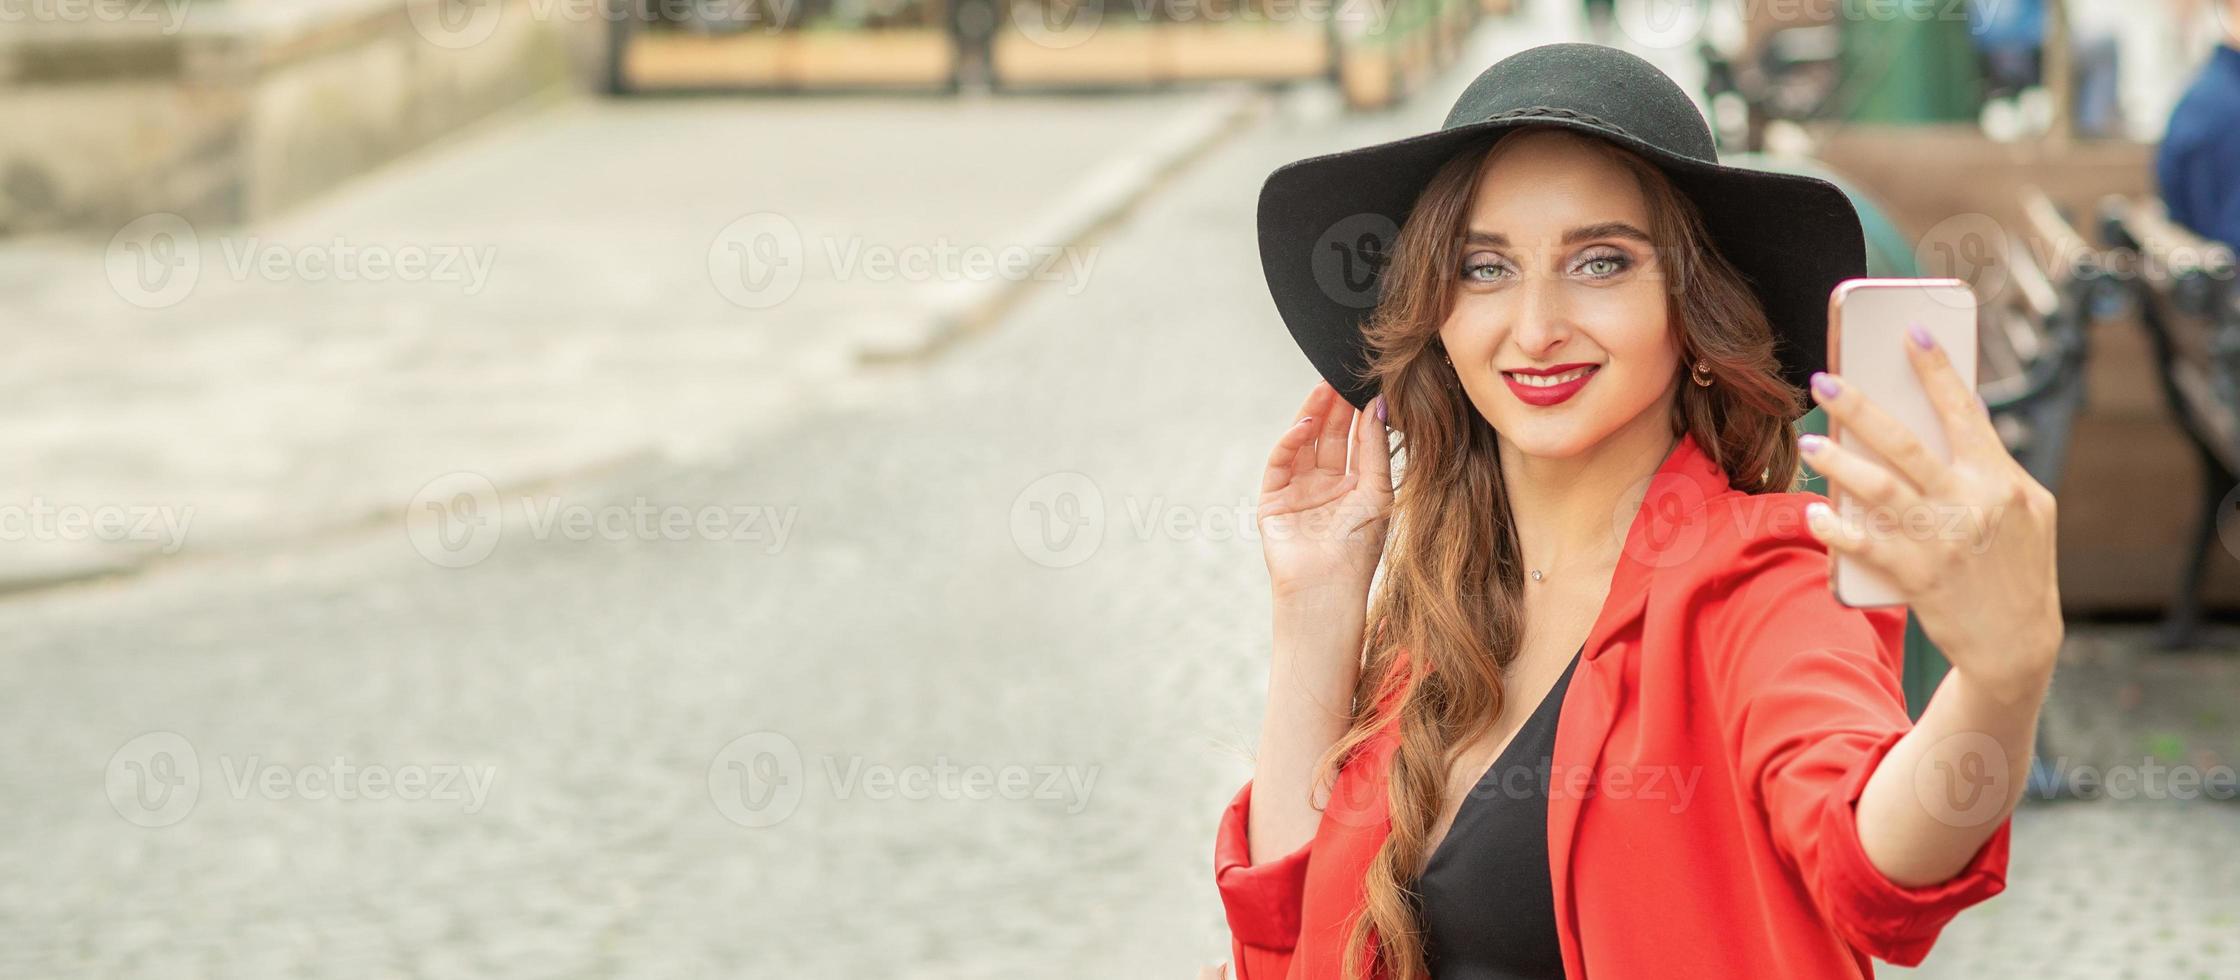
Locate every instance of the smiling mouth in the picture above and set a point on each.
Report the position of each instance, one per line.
(1549, 380)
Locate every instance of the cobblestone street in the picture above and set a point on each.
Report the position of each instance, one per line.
(285, 381)
(961, 695)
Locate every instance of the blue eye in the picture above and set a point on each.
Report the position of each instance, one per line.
(1613, 264)
(1480, 271)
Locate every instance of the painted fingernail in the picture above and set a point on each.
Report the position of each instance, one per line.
(1810, 442)
(1380, 408)
(1921, 337)
(1825, 384)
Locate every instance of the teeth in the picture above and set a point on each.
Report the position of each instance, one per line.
(1535, 381)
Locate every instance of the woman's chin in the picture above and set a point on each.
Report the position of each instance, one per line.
(1546, 438)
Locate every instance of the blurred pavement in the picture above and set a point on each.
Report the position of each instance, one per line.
(561, 294)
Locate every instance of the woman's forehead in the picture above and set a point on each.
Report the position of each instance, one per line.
(1542, 183)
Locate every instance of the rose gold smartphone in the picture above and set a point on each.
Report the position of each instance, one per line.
(1867, 321)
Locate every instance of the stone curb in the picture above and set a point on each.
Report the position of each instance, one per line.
(956, 309)
(952, 311)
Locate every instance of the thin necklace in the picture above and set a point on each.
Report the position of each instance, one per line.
(1536, 575)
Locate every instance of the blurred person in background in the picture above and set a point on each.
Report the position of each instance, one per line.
(1602, 19)
(2009, 38)
(972, 29)
(2197, 167)
(2010, 42)
(1591, 336)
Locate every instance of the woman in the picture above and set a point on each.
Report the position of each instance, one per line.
(1611, 723)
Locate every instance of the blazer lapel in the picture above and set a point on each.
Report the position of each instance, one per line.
(1662, 534)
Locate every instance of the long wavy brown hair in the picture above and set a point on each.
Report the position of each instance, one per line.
(1452, 591)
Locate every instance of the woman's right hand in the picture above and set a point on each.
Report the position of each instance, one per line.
(1322, 524)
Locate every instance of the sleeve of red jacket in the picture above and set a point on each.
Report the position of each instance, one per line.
(1809, 692)
(1261, 900)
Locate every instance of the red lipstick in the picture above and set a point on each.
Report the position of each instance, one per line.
(1545, 395)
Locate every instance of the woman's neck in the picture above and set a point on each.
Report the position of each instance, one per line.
(1572, 512)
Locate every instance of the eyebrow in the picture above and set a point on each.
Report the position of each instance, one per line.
(1607, 229)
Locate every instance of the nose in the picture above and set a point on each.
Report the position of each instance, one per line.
(1542, 318)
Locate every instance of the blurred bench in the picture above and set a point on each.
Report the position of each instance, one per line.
(2182, 286)
(2032, 337)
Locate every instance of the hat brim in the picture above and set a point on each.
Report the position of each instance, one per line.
(1792, 236)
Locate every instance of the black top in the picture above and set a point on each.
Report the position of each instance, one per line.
(1487, 907)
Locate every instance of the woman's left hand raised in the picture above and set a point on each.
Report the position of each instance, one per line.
(1969, 543)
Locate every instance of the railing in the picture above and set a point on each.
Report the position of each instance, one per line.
(1380, 50)
(2034, 343)
(2183, 287)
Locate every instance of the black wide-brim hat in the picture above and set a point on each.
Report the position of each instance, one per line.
(1327, 223)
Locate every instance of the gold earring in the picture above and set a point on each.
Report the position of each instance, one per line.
(1703, 373)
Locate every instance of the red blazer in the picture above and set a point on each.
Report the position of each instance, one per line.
(1712, 744)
